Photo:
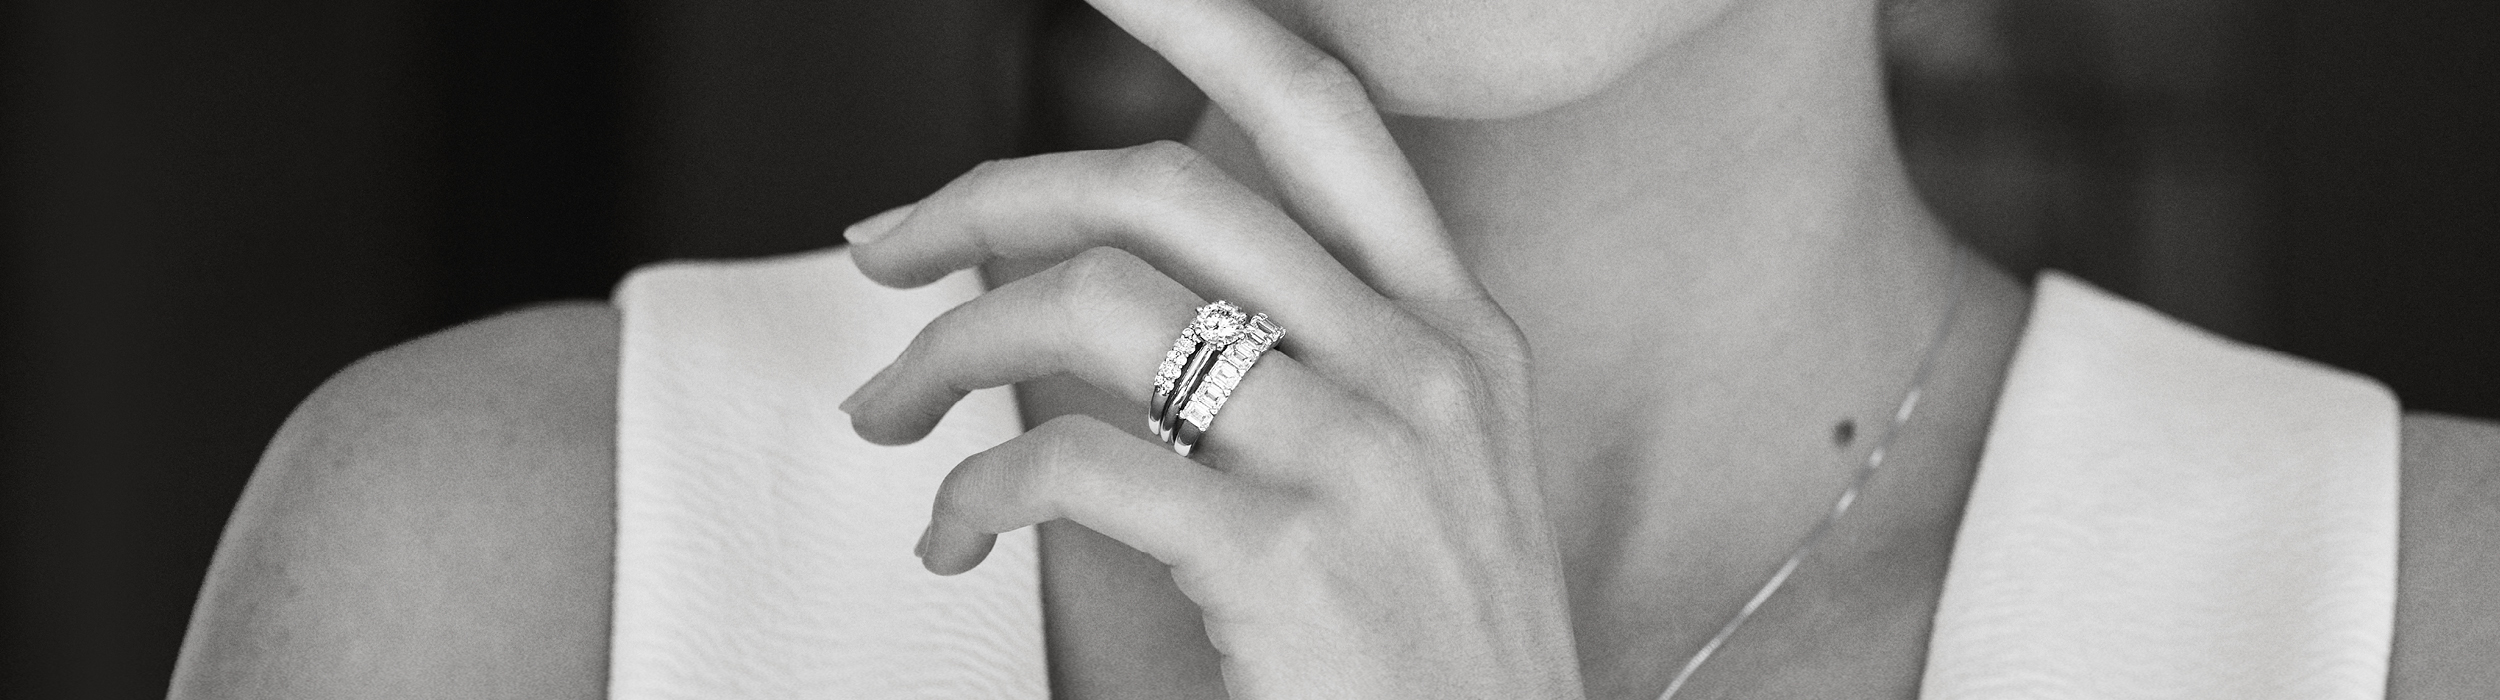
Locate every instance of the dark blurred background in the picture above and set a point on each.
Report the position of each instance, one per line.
(209, 207)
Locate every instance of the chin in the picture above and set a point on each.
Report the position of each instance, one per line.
(1491, 59)
(1458, 89)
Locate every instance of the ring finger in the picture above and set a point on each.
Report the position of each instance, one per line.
(1105, 317)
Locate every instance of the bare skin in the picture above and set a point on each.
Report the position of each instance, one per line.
(438, 520)
(1731, 193)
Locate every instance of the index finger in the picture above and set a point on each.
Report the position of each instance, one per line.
(1311, 120)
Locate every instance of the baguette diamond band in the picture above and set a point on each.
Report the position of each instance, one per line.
(1230, 366)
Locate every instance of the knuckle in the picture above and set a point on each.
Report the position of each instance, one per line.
(1092, 279)
(961, 198)
(1037, 469)
(1056, 442)
(1059, 452)
(1260, 543)
(1073, 430)
(986, 171)
(1490, 332)
(1163, 166)
(1437, 355)
(1444, 404)
(1445, 383)
(957, 496)
(1375, 438)
(937, 338)
(1324, 80)
(931, 351)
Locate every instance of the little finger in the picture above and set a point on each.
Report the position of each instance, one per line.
(1078, 468)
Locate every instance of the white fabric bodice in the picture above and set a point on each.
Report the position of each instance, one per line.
(2159, 513)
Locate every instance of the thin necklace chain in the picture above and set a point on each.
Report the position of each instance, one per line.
(1866, 472)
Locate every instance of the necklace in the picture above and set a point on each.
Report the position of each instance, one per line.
(1866, 472)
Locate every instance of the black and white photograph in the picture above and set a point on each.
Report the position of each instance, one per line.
(1250, 349)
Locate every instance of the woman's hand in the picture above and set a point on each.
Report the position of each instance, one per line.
(1365, 519)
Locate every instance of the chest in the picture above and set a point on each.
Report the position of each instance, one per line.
(1847, 623)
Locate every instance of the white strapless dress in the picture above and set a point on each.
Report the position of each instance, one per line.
(2159, 513)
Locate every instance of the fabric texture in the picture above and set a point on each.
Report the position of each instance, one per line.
(2159, 513)
(762, 549)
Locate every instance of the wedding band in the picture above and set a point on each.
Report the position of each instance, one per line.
(1167, 412)
(1230, 365)
(1216, 325)
(1167, 378)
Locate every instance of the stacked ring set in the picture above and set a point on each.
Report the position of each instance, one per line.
(1203, 368)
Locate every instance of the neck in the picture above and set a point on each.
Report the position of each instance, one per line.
(1716, 259)
(1744, 161)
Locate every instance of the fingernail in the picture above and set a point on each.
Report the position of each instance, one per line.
(869, 230)
(852, 401)
(850, 404)
(921, 550)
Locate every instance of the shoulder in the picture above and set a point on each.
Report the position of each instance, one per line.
(436, 519)
(2448, 580)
